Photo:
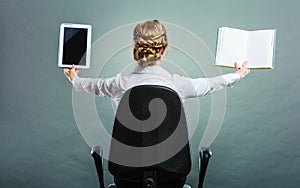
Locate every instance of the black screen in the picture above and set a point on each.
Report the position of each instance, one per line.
(75, 46)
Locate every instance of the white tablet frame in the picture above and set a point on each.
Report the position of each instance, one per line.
(61, 44)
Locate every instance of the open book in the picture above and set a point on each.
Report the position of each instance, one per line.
(255, 46)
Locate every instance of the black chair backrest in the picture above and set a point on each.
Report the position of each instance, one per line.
(145, 104)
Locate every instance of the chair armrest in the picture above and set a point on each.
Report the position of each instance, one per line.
(96, 153)
(204, 156)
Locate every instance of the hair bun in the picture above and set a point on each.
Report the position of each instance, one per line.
(150, 38)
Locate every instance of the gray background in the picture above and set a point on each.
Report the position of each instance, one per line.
(41, 145)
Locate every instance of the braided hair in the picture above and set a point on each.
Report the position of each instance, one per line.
(150, 39)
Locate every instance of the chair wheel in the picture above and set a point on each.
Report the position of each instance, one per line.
(187, 186)
(149, 182)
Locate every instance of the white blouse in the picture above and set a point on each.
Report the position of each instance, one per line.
(116, 86)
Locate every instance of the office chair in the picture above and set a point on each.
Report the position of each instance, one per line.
(149, 105)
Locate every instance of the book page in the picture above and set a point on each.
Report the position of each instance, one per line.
(231, 46)
(260, 48)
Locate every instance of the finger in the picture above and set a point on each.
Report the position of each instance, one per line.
(244, 65)
(236, 66)
(248, 71)
(66, 71)
(73, 66)
(77, 71)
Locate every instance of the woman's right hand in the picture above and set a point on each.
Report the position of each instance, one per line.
(71, 73)
(243, 71)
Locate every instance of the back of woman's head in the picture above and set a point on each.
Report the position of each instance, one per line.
(150, 40)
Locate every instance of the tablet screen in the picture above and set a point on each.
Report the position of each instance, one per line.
(74, 44)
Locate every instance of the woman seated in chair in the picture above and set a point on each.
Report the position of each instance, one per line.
(150, 43)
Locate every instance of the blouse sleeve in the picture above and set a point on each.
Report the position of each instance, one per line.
(191, 88)
(105, 87)
(204, 86)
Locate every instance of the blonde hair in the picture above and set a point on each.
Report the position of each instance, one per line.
(150, 39)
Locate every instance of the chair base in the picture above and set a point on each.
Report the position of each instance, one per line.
(114, 186)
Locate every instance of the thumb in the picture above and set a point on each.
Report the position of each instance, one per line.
(236, 66)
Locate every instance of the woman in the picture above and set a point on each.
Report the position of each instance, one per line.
(150, 43)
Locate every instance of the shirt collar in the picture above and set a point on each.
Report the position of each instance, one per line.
(153, 69)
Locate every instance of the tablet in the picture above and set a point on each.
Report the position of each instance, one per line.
(74, 45)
